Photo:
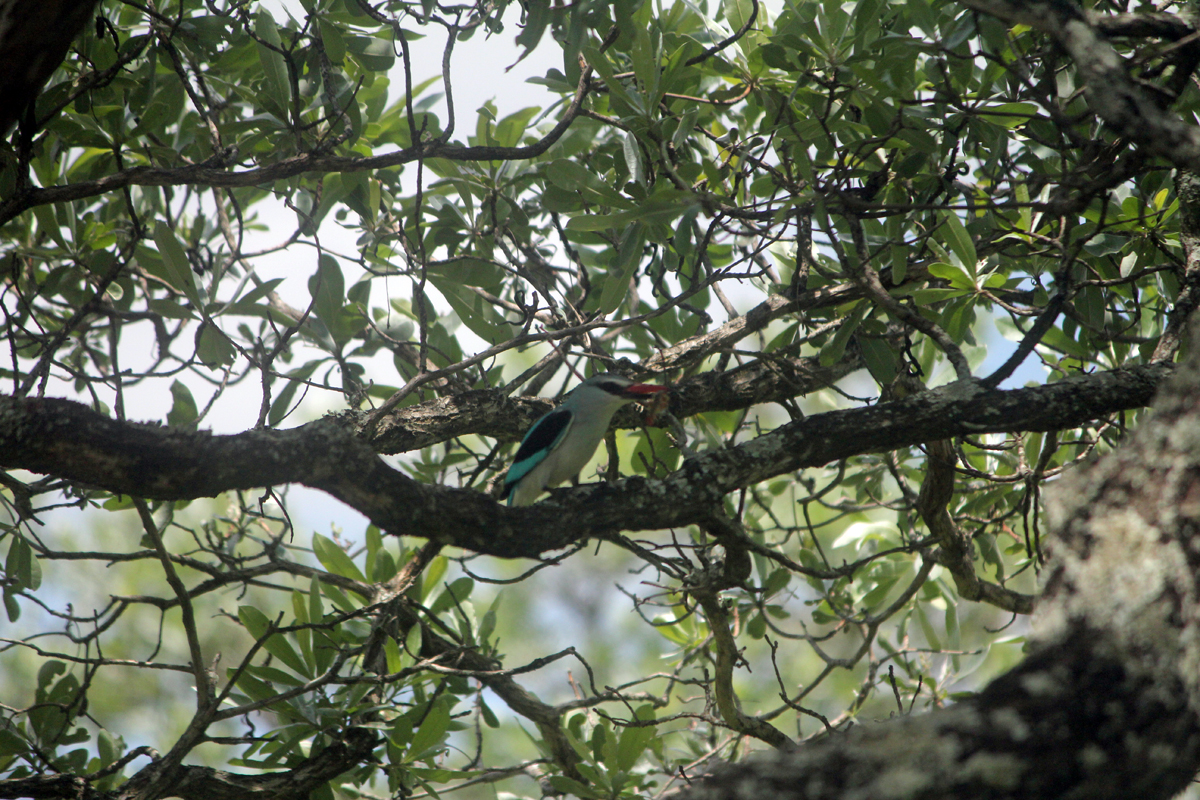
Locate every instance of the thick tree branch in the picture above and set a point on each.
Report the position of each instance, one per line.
(493, 413)
(955, 552)
(205, 783)
(69, 440)
(1147, 24)
(34, 38)
(727, 656)
(50, 787)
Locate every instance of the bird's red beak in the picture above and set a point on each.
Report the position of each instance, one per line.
(645, 389)
(653, 399)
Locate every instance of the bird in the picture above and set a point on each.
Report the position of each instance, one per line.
(561, 442)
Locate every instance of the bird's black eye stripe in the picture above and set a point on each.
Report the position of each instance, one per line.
(612, 387)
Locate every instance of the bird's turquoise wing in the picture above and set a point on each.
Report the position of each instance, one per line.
(538, 443)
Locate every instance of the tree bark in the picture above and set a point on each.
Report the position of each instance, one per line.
(68, 440)
(1105, 705)
(34, 38)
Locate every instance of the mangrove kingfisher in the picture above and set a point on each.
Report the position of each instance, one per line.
(561, 442)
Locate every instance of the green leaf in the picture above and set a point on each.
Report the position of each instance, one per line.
(276, 644)
(118, 502)
(634, 741)
(615, 286)
(274, 68)
(570, 786)
(433, 576)
(374, 547)
(645, 64)
(489, 716)
(594, 222)
(178, 271)
(473, 311)
(537, 16)
(323, 648)
(304, 635)
(457, 592)
(22, 565)
(686, 125)
(183, 407)
(616, 89)
(924, 297)
(487, 625)
(316, 609)
(510, 129)
(881, 360)
(108, 749)
(254, 688)
(373, 52)
(899, 264)
(470, 271)
(1009, 115)
(960, 243)
(335, 45)
(396, 659)
(574, 177)
(412, 642)
(432, 731)
(990, 554)
(170, 309)
(952, 632)
(282, 405)
(776, 581)
(255, 622)
(633, 159)
(737, 14)
(213, 347)
(835, 348)
(327, 287)
(931, 636)
(11, 744)
(954, 274)
(274, 675)
(875, 597)
(334, 558)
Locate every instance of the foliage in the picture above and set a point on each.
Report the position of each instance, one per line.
(877, 185)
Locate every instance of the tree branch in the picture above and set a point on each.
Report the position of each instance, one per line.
(33, 41)
(205, 783)
(1105, 706)
(312, 162)
(67, 439)
(1112, 94)
(493, 413)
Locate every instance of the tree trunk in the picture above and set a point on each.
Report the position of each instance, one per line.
(34, 38)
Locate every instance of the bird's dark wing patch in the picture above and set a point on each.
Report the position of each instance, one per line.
(540, 440)
(543, 434)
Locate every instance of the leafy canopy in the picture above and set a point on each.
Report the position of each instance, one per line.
(224, 214)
